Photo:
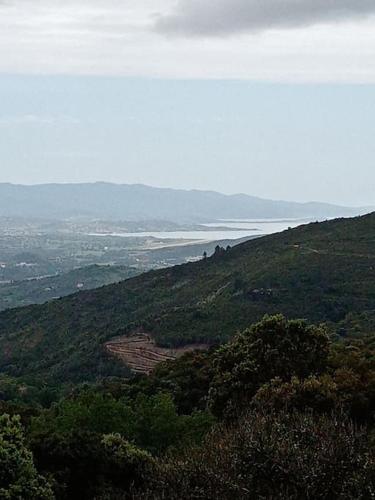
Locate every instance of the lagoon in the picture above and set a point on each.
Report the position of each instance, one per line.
(220, 230)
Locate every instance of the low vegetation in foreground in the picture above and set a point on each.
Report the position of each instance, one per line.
(282, 411)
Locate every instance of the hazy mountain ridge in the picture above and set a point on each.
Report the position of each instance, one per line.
(115, 201)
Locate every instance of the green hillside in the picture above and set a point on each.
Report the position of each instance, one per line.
(38, 291)
(323, 272)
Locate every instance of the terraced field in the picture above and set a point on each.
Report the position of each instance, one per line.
(141, 354)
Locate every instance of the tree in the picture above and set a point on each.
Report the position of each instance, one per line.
(274, 347)
(344, 390)
(18, 475)
(87, 465)
(158, 426)
(219, 250)
(318, 394)
(124, 466)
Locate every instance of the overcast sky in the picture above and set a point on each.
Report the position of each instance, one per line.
(279, 102)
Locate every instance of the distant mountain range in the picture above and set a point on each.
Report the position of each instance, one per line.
(137, 202)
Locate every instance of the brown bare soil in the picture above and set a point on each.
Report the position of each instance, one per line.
(141, 354)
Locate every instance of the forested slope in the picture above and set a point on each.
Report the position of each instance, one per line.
(323, 272)
(40, 290)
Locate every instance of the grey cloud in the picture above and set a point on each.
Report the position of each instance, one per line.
(225, 17)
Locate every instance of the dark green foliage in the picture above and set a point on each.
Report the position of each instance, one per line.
(88, 411)
(187, 379)
(88, 465)
(320, 394)
(322, 272)
(125, 466)
(295, 402)
(21, 392)
(348, 386)
(18, 477)
(272, 348)
(86, 441)
(157, 426)
(353, 370)
(152, 422)
(273, 456)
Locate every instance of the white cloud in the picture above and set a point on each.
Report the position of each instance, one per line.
(117, 37)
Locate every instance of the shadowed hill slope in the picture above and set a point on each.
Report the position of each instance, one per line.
(323, 272)
(40, 290)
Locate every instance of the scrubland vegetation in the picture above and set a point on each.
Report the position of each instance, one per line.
(275, 408)
(281, 411)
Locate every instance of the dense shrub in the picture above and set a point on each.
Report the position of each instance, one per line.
(343, 391)
(87, 465)
(272, 348)
(288, 405)
(151, 422)
(18, 476)
(288, 456)
(313, 393)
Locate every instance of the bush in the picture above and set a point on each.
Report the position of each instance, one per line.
(18, 475)
(273, 456)
(86, 465)
(314, 393)
(151, 422)
(272, 348)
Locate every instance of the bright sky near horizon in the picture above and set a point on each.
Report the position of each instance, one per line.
(275, 98)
